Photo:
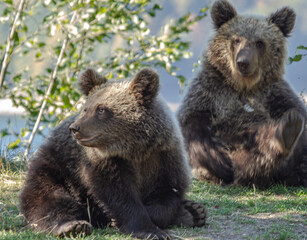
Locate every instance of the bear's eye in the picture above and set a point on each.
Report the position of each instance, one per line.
(237, 41)
(259, 44)
(101, 110)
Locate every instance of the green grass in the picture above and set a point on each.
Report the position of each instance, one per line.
(233, 212)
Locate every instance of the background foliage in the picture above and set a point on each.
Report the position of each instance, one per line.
(300, 52)
(77, 28)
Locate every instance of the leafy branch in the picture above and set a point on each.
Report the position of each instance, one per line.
(110, 36)
(6, 59)
(52, 80)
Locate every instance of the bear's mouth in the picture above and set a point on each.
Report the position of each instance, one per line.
(248, 73)
(246, 81)
(85, 140)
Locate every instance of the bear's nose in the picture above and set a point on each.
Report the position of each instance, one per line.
(243, 63)
(74, 128)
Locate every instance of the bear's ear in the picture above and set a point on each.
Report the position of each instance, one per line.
(89, 79)
(145, 86)
(284, 19)
(222, 12)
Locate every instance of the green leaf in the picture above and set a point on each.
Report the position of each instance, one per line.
(16, 37)
(296, 58)
(4, 133)
(38, 55)
(14, 145)
(41, 44)
(10, 2)
(157, 7)
(17, 78)
(65, 100)
(301, 47)
(103, 10)
(182, 79)
(6, 12)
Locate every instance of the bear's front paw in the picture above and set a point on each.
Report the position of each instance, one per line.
(193, 214)
(289, 130)
(73, 228)
(156, 234)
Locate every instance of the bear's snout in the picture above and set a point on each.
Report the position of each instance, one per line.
(243, 61)
(74, 128)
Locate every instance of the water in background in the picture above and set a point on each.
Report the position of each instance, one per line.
(12, 119)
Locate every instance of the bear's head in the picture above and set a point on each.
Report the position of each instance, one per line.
(249, 50)
(117, 113)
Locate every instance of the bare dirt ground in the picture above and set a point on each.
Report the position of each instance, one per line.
(241, 226)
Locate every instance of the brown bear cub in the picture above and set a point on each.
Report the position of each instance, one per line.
(241, 121)
(121, 161)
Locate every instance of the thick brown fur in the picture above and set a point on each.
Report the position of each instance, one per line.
(121, 161)
(241, 121)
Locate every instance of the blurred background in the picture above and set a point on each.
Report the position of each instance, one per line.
(296, 72)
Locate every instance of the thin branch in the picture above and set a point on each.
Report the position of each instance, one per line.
(79, 57)
(52, 80)
(9, 42)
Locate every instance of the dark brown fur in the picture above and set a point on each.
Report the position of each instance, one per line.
(241, 121)
(123, 164)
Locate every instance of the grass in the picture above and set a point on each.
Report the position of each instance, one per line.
(233, 212)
